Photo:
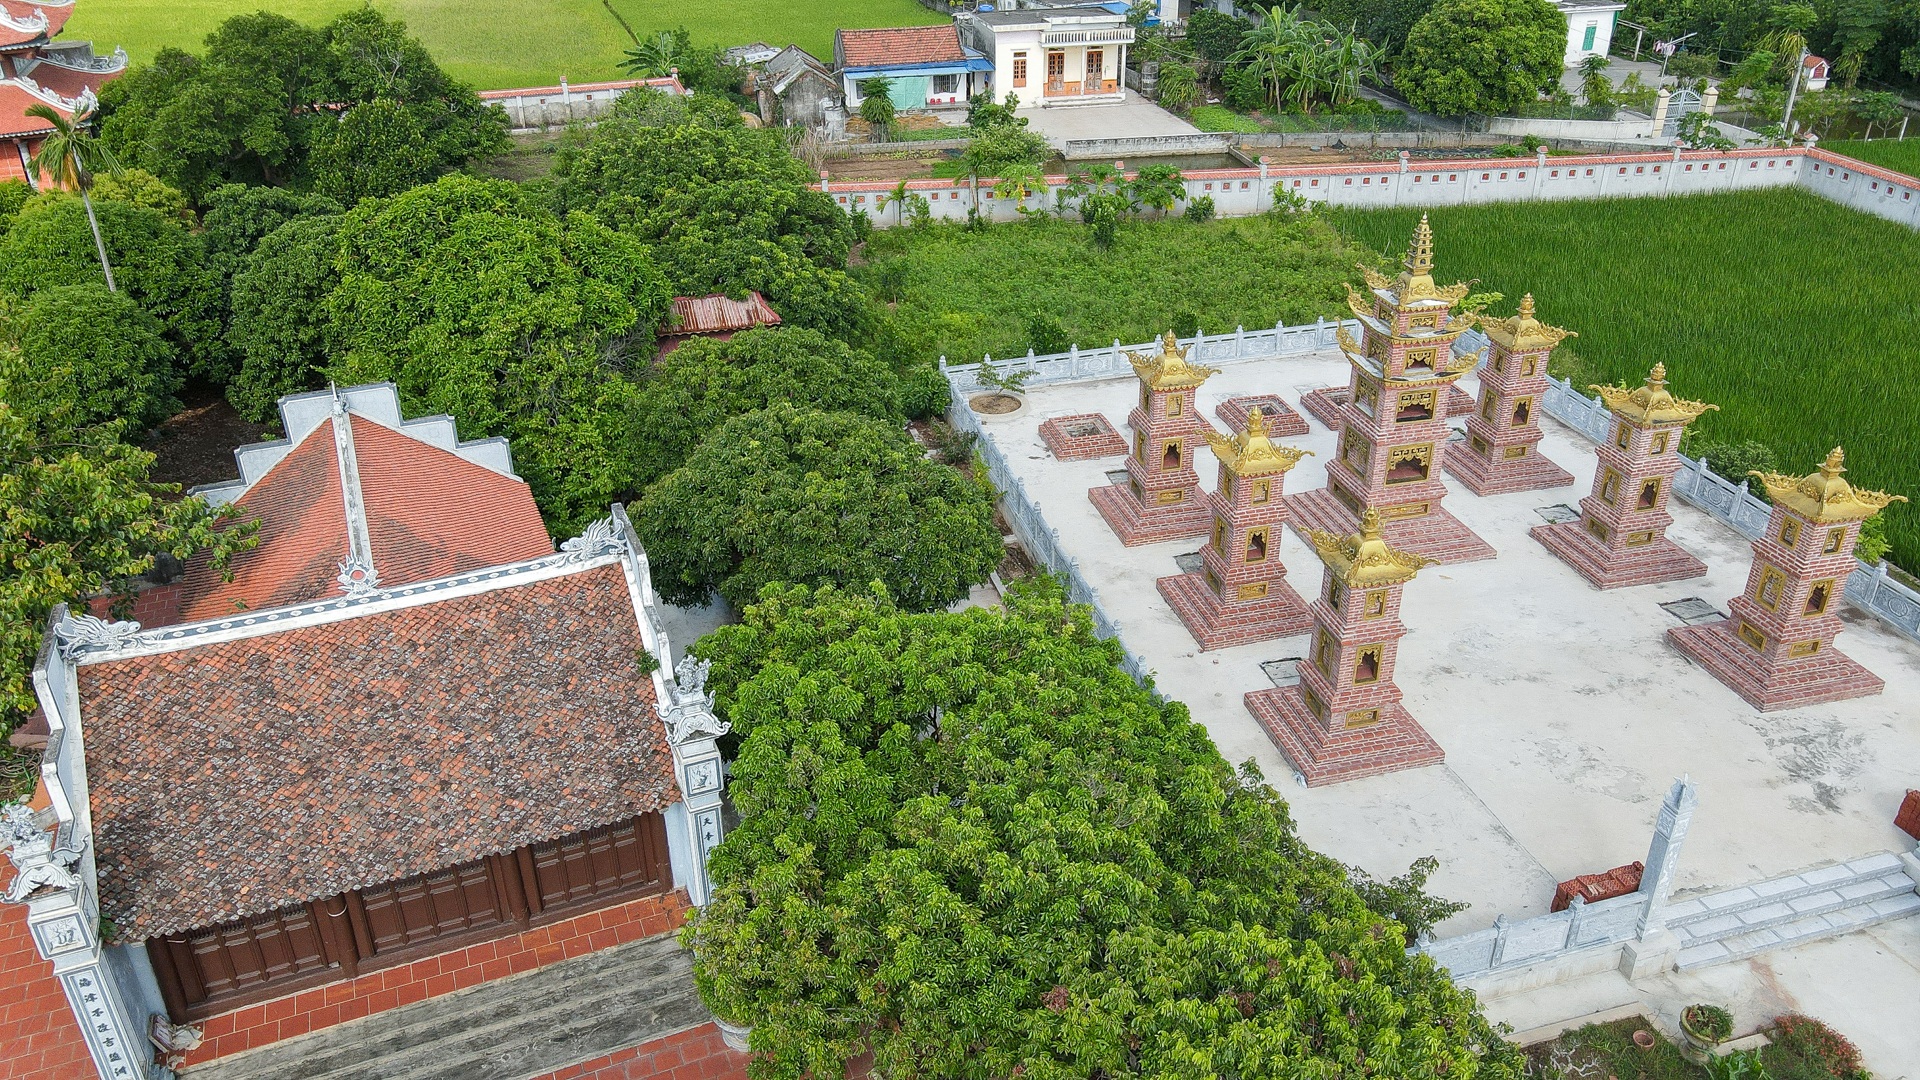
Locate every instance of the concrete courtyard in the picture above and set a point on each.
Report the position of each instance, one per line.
(1134, 118)
(1564, 714)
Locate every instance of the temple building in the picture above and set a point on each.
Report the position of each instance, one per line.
(405, 748)
(1344, 719)
(1393, 422)
(1240, 594)
(1161, 498)
(1502, 454)
(1621, 536)
(1776, 650)
(36, 70)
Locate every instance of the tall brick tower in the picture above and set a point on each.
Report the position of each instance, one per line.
(1344, 721)
(1242, 594)
(1776, 650)
(1393, 424)
(1621, 538)
(1161, 498)
(1502, 453)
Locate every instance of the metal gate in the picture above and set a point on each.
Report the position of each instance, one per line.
(1678, 106)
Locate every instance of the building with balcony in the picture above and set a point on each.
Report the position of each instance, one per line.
(1047, 56)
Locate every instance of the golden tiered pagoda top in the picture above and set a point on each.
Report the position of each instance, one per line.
(1651, 403)
(1251, 452)
(1169, 369)
(1415, 283)
(1365, 561)
(1454, 364)
(1823, 495)
(1523, 332)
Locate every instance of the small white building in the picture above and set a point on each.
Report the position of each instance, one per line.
(1047, 56)
(926, 66)
(1814, 73)
(1589, 27)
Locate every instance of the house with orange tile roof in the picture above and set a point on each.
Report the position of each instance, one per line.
(37, 70)
(405, 747)
(716, 316)
(927, 65)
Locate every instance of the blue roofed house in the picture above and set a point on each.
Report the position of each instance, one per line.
(928, 66)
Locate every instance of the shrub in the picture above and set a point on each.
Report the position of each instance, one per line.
(1807, 1049)
(1732, 461)
(1200, 211)
(1710, 1022)
(87, 356)
(1045, 334)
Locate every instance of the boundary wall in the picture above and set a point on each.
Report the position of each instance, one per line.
(1244, 192)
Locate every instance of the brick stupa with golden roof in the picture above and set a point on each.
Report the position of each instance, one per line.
(1240, 594)
(1161, 497)
(1776, 650)
(1502, 453)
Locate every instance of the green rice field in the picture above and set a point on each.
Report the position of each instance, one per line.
(1900, 155)
(1779, 306)
(496, 44)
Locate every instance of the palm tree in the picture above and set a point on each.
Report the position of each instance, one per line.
(70, 156)
(654, 58)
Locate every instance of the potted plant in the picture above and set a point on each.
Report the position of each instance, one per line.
(1705, 1026)
(1007, 385)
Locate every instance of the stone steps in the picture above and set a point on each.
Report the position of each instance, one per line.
(521, 1026)
(1823, 902)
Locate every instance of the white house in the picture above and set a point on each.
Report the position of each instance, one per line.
(1589, 27)
(1814, 71)
(1052, 55)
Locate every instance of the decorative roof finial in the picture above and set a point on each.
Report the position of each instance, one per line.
(1526, 306)
(1823, 495)
(1252, 452)
(1420, 251)
(1651, 403)
(1366, 560)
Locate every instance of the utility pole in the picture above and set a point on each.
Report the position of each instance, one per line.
(1793, 90)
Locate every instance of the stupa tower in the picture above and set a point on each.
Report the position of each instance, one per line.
(1161, 498)
(1393, 424)
(1344, 720)
(1241, 593)
(1776, 650)
(1621, 537)
(1502, 453)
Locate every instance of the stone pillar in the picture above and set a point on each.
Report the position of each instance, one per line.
(1660, 103)
(1621, 539)
(1503, 434)
(1241, 593)
(1711, 99)
(1344, 720)
(692, 729)
(1654, 946)
(64, 918)
(1776, 651)
(1161, 498)
(1393, 418)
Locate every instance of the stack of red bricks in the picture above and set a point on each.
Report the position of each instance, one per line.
(1082, 436)
(378, 991)
(1590, 888)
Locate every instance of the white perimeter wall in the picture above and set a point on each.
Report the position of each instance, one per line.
(1241, 192)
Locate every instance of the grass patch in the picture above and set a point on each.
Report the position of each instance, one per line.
(496, 44)
(1221, 118)
(1902, 155)
(1774, 305)
(1043, 282)
(1601, 1050)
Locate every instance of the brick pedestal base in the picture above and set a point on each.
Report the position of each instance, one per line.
(1135, 524)
(1078, 438)
(1828, 675)
(1219, 624)
(1436, 535)
(1397, 742)
(1324, 404)
(1279, 417)
(1530, 473)
(1662, 560)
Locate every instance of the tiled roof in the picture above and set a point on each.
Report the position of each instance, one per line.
(429, 512)
(906, 45)
(717, 314)
(15, 100)
(69, 82)
(243, 776)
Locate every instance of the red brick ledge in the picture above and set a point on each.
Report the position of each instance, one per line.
(694, 1054)
(349, 999)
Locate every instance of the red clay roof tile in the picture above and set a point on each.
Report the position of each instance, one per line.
(717, 314)
(905, 45)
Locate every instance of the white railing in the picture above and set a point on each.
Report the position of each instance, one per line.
(1870, 588)
(1508, 944)
(1087, 365)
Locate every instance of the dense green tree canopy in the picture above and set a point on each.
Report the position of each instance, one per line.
(86, 356)
(706, 382)
(816, 498)
(478, 302)
(156, 260)
(974, 847)
(277, 323)
(723, 208)
(352, 108)
(1386, 23)
(1482, 56)
(78, 515)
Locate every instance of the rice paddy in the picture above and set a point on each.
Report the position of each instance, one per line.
(1779, 306)
(1900, 155)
